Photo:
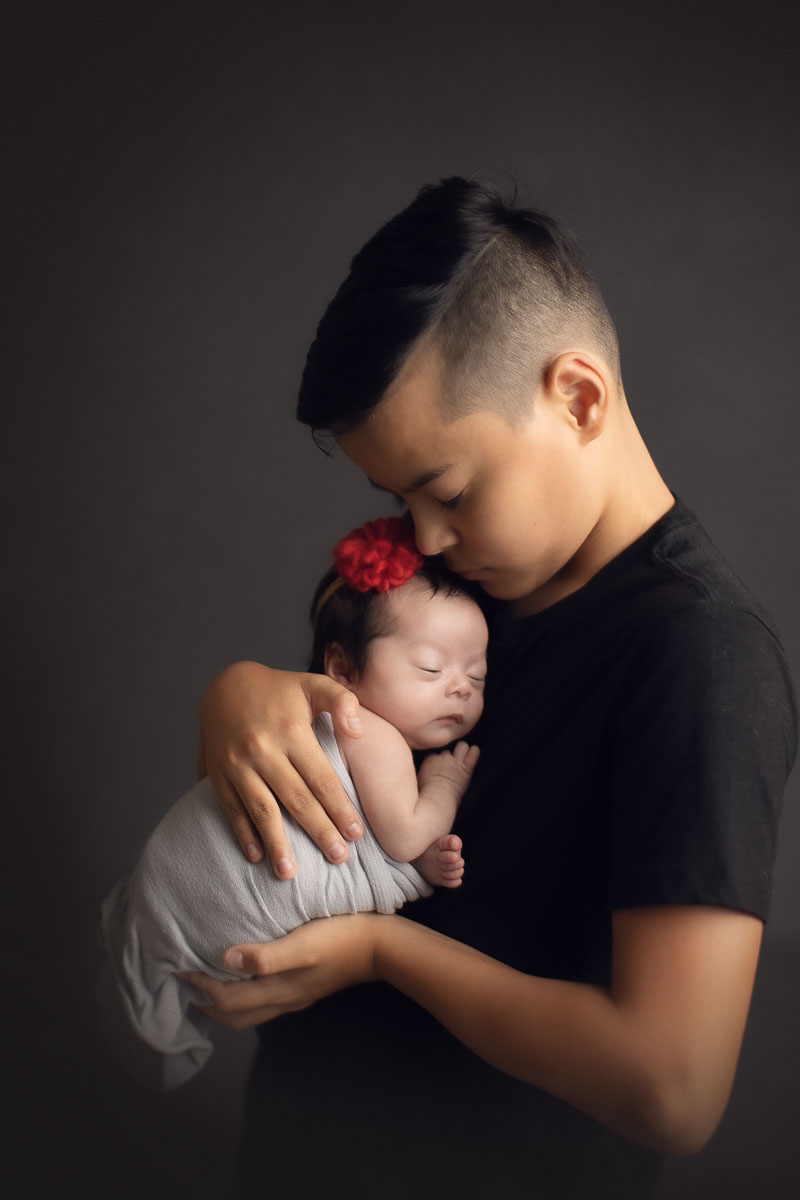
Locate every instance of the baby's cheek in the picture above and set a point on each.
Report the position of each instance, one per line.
(477, 710)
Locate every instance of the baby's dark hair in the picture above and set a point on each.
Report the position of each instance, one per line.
(353, 619)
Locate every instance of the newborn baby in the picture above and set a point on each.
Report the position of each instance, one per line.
(406, 638)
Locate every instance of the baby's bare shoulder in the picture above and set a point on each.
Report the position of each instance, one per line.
(378, 731)
(379, 739)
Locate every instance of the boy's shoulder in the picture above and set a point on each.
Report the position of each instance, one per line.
(684, 549)
(696, 629)
(676, 576)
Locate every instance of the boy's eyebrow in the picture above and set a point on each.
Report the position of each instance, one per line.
(420, 482)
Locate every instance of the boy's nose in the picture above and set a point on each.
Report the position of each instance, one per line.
(433, 536)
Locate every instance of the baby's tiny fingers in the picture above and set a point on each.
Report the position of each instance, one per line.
(471, 758)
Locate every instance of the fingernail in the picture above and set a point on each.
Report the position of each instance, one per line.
(254, 852)
(234, 959)
(336, 851)
(284, 866)
(355, 830)
(354, 721)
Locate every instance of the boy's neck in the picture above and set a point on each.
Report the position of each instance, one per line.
(637, 497)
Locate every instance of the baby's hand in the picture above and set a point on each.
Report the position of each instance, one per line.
(449, 771)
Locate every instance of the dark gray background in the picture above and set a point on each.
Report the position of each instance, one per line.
(188, 186)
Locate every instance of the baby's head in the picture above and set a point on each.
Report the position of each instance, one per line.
(403, 633)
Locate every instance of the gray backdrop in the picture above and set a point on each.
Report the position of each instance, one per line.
(188, 185)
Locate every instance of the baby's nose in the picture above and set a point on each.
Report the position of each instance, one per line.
(459, 686)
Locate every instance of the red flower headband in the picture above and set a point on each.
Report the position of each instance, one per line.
(380, 555)
(375, 557)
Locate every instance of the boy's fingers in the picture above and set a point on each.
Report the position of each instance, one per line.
(236, 813)
(301, 777)
(265, 813)
(277, 778)
(323, 784)
(294, 795)
(256, 819)
(290, 787)
(237, 1005)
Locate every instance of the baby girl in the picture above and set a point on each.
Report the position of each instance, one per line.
(404, 635)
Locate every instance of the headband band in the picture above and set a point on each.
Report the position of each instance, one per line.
(325, 597)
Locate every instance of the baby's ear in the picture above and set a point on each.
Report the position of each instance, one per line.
(338, 665)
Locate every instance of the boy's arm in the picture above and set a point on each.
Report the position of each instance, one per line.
(406, 814)
(653, 1057)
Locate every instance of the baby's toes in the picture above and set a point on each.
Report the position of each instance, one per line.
(450, 842)
(451, 877)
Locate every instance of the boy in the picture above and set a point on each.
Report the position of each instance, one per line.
(576, 1009)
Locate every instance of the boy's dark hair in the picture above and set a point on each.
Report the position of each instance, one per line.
(493, 289)
(353, 619)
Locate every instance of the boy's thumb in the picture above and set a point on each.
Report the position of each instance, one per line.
(329, 696)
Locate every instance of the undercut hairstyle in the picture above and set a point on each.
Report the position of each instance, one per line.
(353, 619)
(494, 291)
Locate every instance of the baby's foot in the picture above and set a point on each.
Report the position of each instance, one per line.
(441, 865)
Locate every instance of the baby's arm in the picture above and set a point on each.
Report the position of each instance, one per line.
(407, 813)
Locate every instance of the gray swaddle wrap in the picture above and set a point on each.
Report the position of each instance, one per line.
(193, 894)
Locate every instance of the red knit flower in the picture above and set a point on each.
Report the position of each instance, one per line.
(380, 555)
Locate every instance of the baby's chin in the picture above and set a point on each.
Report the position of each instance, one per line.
(437, 739)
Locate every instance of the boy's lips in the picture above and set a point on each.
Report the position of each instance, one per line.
(457, 718)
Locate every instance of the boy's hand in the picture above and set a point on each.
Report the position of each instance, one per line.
(294, 971)
(448, 772)
(257, 747)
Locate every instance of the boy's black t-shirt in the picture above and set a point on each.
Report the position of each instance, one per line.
(635, 745)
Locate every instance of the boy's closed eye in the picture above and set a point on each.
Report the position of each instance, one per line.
(453, 502)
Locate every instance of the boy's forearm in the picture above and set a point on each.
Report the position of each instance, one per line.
(570, 1039)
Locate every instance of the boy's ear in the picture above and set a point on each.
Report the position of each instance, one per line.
(577, 382)
(338, 665)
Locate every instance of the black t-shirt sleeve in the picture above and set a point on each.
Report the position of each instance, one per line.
(700, 750)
